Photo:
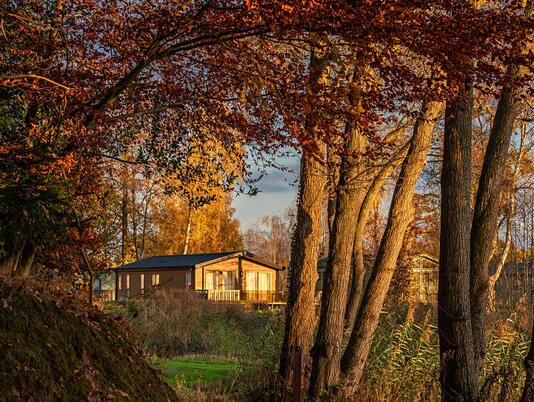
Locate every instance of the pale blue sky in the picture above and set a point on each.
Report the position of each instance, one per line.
(278, 190)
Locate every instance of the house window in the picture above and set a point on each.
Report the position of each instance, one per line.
(211, 280)
(251, 280)
(228, 280)
(142, 284)
(155, 279)
(264, 281)
(120, 281)
(127, 285)
(188, 278)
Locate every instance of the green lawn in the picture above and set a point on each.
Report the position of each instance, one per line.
(196, 371)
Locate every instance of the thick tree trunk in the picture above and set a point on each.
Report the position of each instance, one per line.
(528, 389)
(327, 349)
(457, 377)
(358, 267)
(400, 216)
(300, 309)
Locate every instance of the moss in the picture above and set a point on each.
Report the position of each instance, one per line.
(50, 354)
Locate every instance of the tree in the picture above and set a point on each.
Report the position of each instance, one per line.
(486, 209)
(269, 238)
(213, 227)
(400, 215)
(300, 308)
(458, 380)
(326, 351)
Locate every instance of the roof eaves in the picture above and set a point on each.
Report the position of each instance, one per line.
(223, 258)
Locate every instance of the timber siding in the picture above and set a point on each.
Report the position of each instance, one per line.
(168, 279)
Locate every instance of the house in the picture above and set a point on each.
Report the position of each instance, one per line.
(229, 276)
(425, 277)
(104, 285)
(515, 284)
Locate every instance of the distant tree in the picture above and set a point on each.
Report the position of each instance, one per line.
(270, 237)
(213, 227)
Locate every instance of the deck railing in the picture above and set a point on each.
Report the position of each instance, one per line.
(223, 295)
(104, 294)
(262, 296)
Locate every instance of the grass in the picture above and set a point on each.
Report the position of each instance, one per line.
(195, 372)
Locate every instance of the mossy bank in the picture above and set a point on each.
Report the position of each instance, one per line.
(51, 350)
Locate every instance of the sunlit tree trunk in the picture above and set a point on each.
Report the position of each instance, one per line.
(188, 230)
(457, 377)
(358, 267)
(400, 216)
(124, 215)
(486, 210)
(326, 352)
(300, 309)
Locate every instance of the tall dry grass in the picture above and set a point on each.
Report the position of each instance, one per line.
(172, 323)
(404, 363)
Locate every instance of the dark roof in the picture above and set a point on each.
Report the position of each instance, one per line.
(192, 260)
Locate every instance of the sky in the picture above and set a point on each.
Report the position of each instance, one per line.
(277, 191)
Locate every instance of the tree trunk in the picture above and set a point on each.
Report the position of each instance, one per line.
(358, 267)
(326, 352)
(300, 309)
(400, 216)
(188, 230)
(492, 281)
(528, 389)
(486, 214)
(457, 377)
(124, 215)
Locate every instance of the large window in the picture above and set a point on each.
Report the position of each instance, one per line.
(264, 281)
(228, 280)
(257, 280)
(155, 279)
(120, 281)
(212, 280)
(251, 280)
(127, 285)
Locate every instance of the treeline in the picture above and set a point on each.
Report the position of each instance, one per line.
(194, 92)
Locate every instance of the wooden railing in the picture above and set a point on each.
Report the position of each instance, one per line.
(262, 296)
(223, 295)
(104, 294)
